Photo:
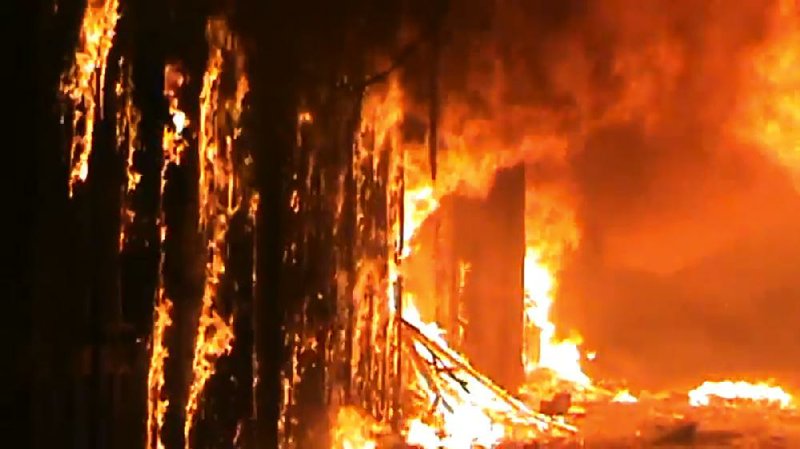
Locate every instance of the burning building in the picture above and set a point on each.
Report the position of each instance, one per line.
(415, 224)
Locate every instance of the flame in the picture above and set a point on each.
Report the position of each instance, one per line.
(355, 430)
(128, 118)
(85, 82)
(220, 197)
(174, 142)
(551, 231)
(457, 406)
(208, 141)
(467, 408)
(156, 404)
(769, 115)
(561, 356)
(624, 396)
(420, 203)
(740, 390)
(172, 145)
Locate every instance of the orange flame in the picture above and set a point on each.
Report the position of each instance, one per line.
(738, 391)
(156, 404)
(482, 413)
(467, 408)
(550, 231)
(86, 80)
(220, 196)
(127, 144)
(172, 144)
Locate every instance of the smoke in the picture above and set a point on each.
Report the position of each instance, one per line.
(629, 116)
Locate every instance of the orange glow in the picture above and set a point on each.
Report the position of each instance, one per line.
(740, 391)
(305, 117)
(86, 79)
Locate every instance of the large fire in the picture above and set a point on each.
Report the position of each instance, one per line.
(466, 408)
(449, 403)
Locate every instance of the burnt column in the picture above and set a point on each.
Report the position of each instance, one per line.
(490, 236)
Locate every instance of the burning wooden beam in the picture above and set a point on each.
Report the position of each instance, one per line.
(471, 375)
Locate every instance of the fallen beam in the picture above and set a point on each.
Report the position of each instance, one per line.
(522, 412)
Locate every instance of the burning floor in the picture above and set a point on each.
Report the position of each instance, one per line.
(461, 408)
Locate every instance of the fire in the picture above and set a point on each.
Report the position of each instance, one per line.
(740, 390)
(551, 231)
(128, 145)
(355, 430)
(220, 197)
(770, 115)
(562, 357)
(86, 80)
(462, 407)
(624, 396)
(172, 144)
(457, 406)
(156, 404)
(419, 204)
(173, 140)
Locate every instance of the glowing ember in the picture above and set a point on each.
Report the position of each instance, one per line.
(740, 390)
(85, 82)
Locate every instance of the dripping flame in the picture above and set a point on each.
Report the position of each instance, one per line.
(173, 144)
(127, 144)
(85, 82)
(220, 198)
(156, 404)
